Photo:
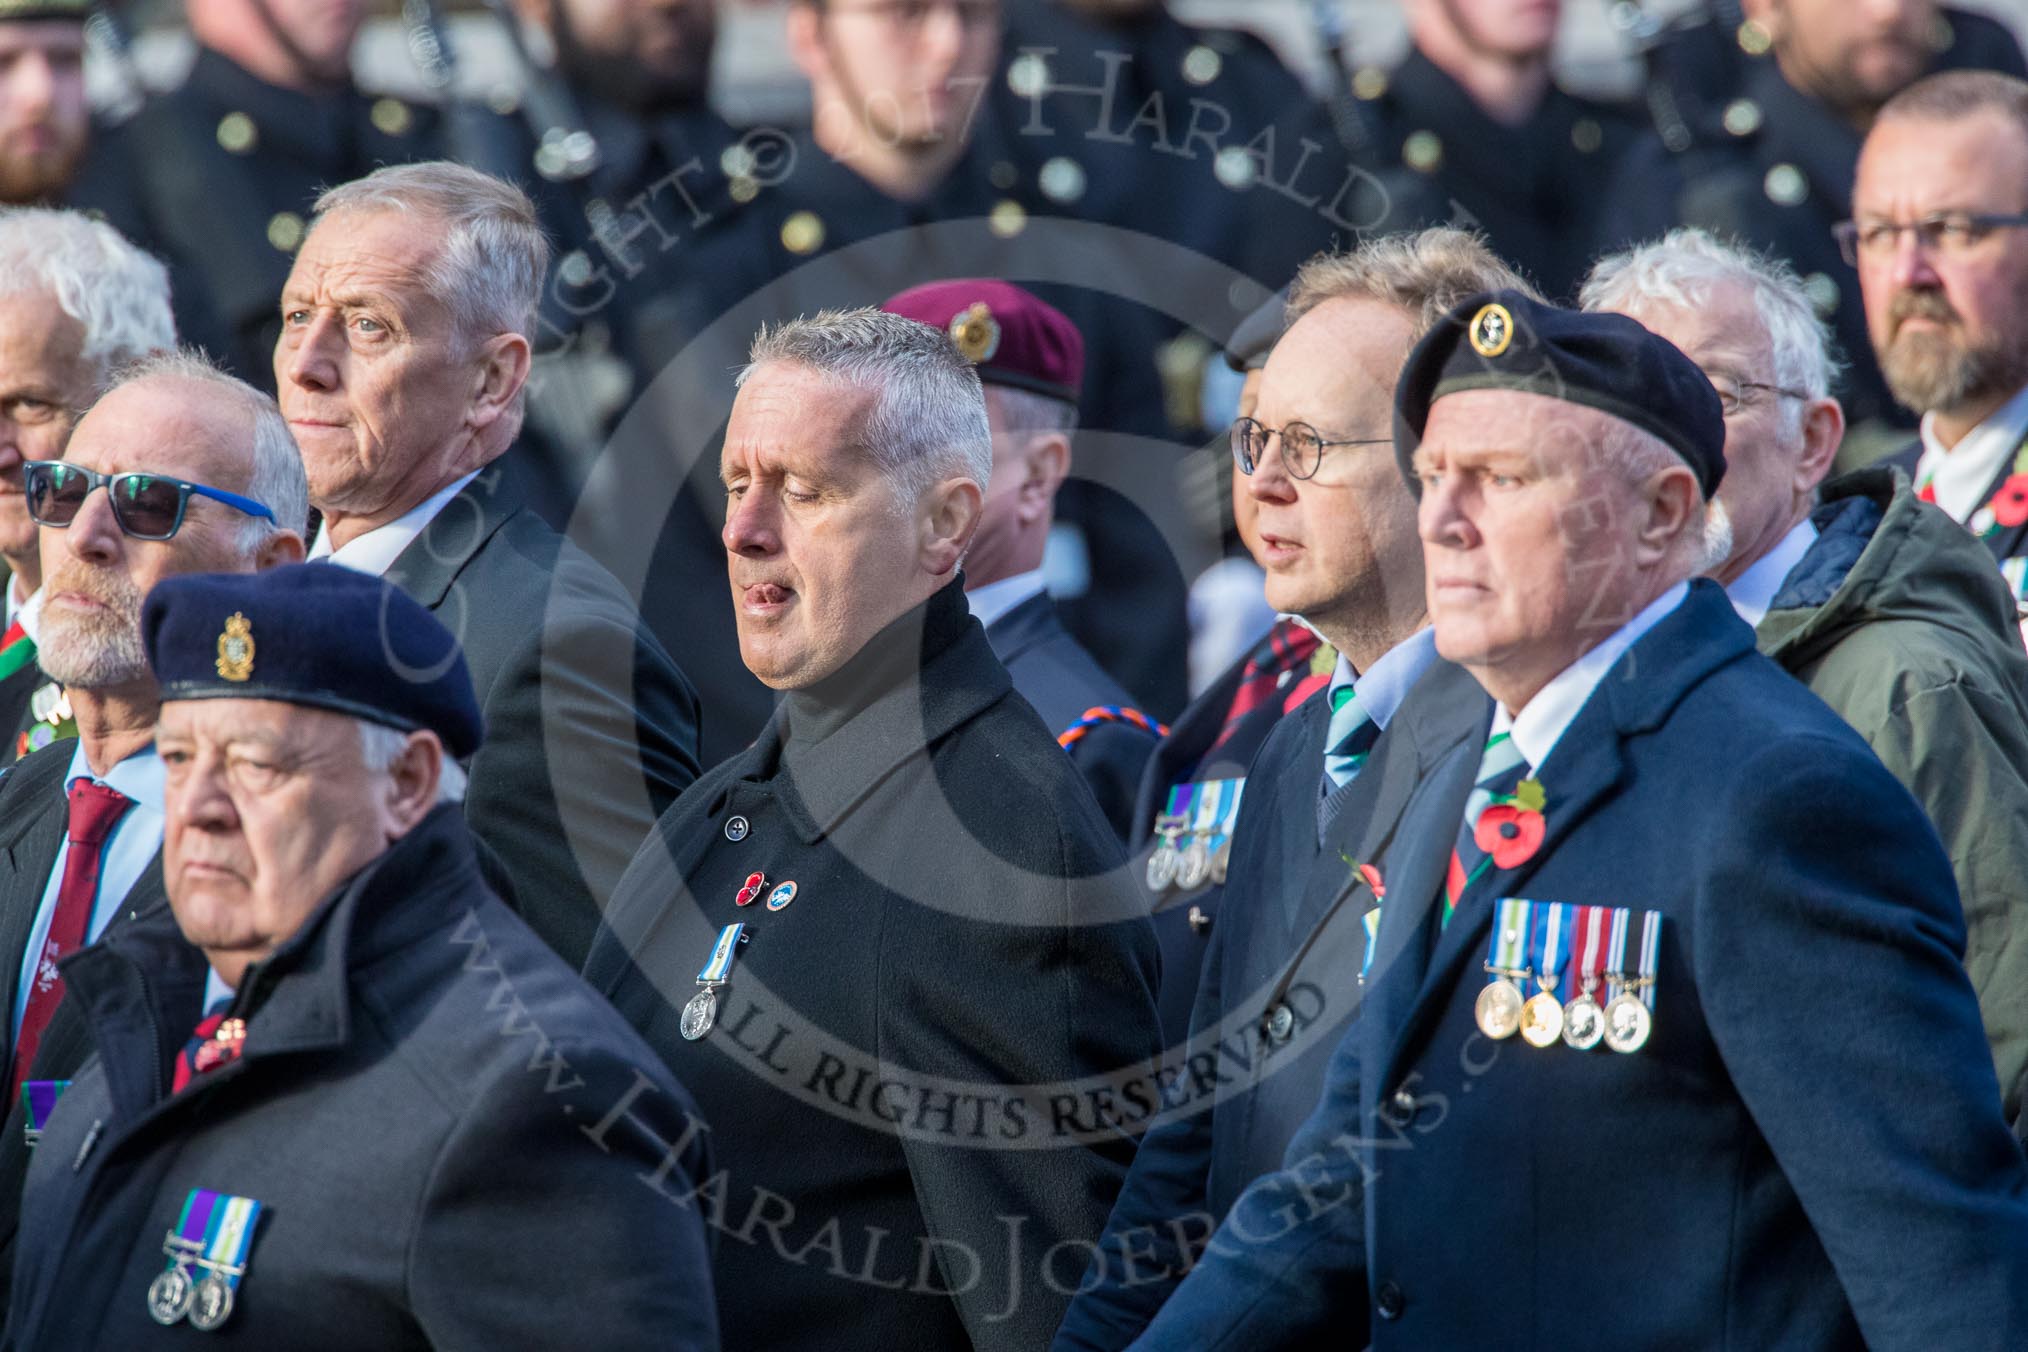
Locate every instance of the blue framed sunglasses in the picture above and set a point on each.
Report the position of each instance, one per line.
(146, 506)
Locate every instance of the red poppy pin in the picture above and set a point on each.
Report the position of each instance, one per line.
(2010, 504)
(1511, 828)
(1369, 874)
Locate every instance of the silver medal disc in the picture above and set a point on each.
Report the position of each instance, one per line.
(1161, 868)
(1542, 1020)
(1195, 867)
(699, 1015)
(1583, 1023)
(170, 1294)
(212, 1303)
(1499, 1009)
(1627, 1023)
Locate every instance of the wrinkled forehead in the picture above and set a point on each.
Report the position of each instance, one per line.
(1554, 434)
(162, 425)
(269, 721)
(793, 415)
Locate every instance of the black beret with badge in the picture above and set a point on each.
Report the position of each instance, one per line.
(316, 634)
(1503, 340)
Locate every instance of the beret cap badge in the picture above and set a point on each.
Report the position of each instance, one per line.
(236, 648)
(976, 333)
(1492, 330)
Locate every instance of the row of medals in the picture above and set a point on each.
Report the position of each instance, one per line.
(1186, 867)
(174, 1293)
(1623, 1023)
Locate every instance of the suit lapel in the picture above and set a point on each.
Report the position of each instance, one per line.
(25, 865)
(2007, 541)
(1701, 635)
(1031, 623)
(433, 560)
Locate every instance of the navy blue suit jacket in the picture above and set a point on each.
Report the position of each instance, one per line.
(1290, 935)
(1807, 1154)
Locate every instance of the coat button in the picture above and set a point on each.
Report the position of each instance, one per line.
(1281, 1021)
(1399, 1109)
(1389, 1300)
(736, 829)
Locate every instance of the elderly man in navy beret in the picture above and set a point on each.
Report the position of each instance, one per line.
(403, 1122)
(1030, 359)
(1666, 1032)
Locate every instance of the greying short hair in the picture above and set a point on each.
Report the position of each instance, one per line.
(1425, 272)
(929, 423)
(490, 265)
(276, 480)
(1640, 455)
(116, 292)
(1952, 96)
(381, 746)
(1681, 268)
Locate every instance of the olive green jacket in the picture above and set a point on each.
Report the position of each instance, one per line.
(1898, 619)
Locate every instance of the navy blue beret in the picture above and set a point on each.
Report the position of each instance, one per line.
(1503, 340)
(312, 633)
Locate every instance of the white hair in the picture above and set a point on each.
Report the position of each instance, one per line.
(381, 746)
(116, 292)
(1683, 266)
(929, 423)
(490, 263)
(275, 478)
(1640, 455)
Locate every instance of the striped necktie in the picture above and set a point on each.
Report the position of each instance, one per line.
(1501, 770)
(1349, 739)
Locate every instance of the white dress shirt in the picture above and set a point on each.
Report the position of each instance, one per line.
(1754, 590)
(136, 838)
(375, 552)
(995, 599)
(1538, 725)
(1959, 477)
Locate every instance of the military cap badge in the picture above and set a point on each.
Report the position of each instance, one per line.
(236, 649)
(976, 333)
(1492, 330)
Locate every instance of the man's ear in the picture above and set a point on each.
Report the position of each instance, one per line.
(412, 783)
(1823, 434)
(504, 361)
(1668, 507)
(949, 515)
(806, 41)
(282, 546)
(1044, 466)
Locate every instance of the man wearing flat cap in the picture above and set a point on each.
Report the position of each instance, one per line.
(1030, 359)
(892, 948)
(1666, 1038)
(403, 1122)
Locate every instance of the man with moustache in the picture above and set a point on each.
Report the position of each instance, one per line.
(45, 118)
(1683, 882)
(892, 948)
(1877, 601)
(1338, 532)
(1771, 162)
(396, 1126)
(77, 302)
(403, 366)
(1939, 234)
(199, 475)
(217, 176)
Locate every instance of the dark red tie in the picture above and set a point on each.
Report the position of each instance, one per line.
(94, 809)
